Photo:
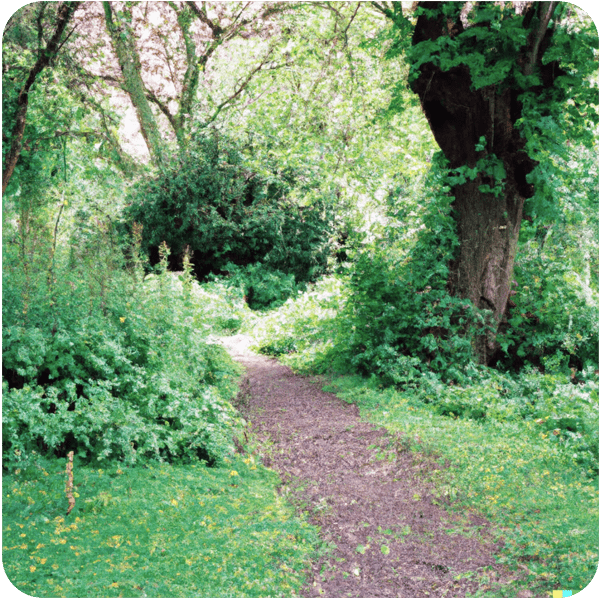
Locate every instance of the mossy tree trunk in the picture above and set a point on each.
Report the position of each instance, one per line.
(476, 128)
(123, 42)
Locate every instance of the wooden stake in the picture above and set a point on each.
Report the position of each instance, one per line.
(69, 485)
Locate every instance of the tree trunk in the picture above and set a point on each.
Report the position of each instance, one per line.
(64, 14)
(492, 176)
(482, 270)
(129, 61)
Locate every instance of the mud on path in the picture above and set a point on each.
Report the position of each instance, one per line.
(389, 538)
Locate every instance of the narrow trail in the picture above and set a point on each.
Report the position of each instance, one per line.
(389, 537)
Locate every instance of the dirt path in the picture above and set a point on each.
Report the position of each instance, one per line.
(389, 537)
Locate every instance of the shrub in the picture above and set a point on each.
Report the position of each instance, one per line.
(114, 365)
(552, 324)
(262, 287)
(225, 213)
(404, 320)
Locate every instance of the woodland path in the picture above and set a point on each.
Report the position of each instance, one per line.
(327, 458)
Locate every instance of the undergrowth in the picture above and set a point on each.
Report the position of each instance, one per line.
(115, 364)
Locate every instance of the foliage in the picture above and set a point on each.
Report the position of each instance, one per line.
(210, 202)
(393, 316)
(314, 137)
(551, 325)
(554, 315)
(306, 327)
(403, 318)
(159, 531)
(110, 365)
(322, 113)
(262, 287)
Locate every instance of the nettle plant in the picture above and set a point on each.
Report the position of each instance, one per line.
(113, 365)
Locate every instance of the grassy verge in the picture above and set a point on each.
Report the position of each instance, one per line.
(152, 531)
(538, 499)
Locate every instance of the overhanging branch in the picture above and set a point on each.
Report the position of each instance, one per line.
(545, 12)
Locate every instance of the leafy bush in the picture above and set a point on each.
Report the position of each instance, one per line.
(113, 365)
(262, 287)
(553, 324)
(225, 213)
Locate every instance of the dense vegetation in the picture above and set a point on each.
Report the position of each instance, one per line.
(210, 205)
(290, 173)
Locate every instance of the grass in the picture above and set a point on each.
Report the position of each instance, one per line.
(537, 497)
(153, 531)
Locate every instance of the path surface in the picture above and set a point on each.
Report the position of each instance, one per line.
(389, 538)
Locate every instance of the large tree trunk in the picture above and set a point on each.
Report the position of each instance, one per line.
(488, 223)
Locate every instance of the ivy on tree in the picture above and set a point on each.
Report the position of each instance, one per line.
(491, 78)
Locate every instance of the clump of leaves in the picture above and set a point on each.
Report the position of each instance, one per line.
(263, 287)
(209, 201)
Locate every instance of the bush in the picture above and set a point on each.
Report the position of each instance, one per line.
(551, 325)
(210, 202)
(262, 287)
(113, 365)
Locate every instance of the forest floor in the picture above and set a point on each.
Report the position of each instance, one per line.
(371, 498)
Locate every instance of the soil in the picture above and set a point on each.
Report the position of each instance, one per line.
(372, 499)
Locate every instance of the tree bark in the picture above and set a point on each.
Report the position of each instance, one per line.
(129, 61)
(488, 224)
(64, 14)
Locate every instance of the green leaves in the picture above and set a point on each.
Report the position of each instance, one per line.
(211, 202)
(126, 374)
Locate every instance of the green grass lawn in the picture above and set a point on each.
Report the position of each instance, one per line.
(538, 498)
(157, 531)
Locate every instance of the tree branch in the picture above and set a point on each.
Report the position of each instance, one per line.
(201, 14)
(64, 14)
(240, 89)
(545, 12)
